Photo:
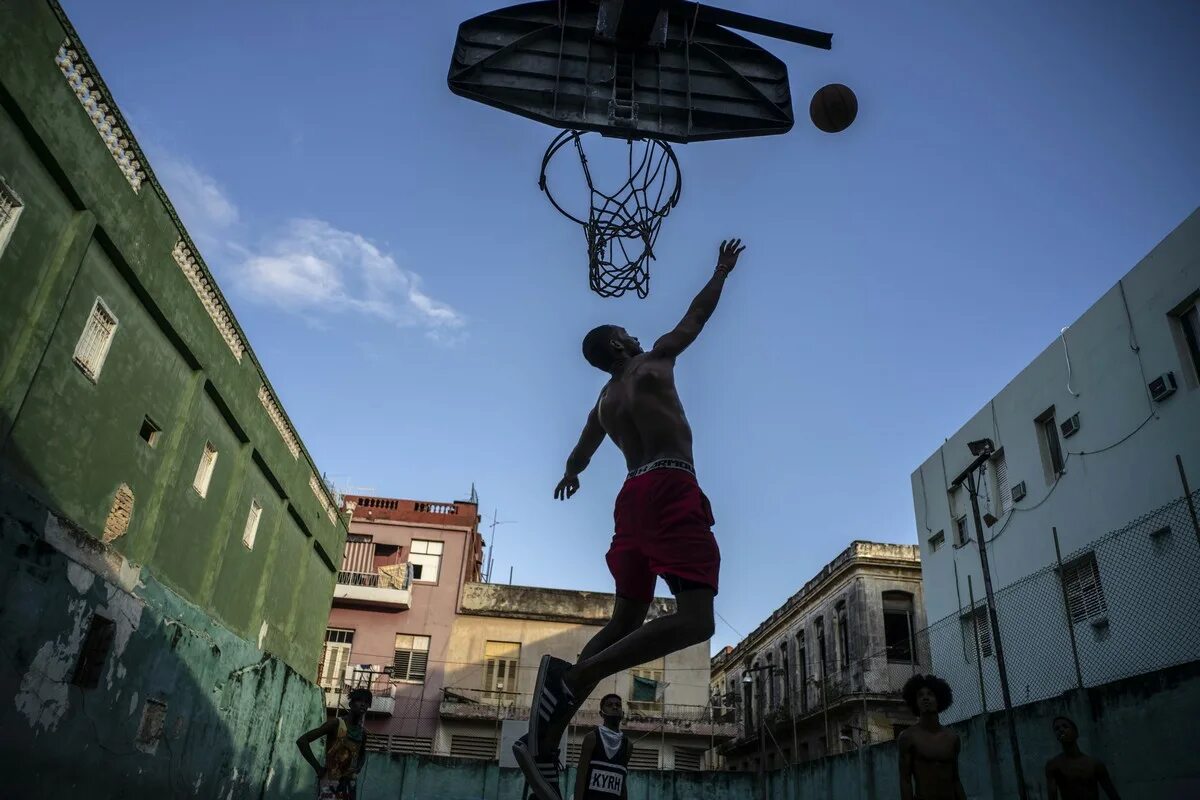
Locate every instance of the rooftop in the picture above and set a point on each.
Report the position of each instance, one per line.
(860, 552)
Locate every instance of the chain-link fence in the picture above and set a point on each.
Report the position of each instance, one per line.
(1128, 603)
(1125, 604)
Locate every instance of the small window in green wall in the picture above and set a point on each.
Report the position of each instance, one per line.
(149, 432)
(204, 472)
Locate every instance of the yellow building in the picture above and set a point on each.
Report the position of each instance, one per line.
(499, 636)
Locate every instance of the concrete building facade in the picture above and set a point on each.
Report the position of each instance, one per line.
(499, 637)
(1086, 439)
(823, 673)
(398, 587)
(166, 543)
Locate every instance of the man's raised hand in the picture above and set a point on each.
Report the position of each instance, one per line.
(728, 257)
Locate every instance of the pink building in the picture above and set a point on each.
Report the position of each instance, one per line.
(394, 605)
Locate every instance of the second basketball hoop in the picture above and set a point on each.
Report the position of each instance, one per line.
(622, 222)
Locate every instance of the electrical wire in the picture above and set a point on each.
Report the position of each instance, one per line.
(1063, 335)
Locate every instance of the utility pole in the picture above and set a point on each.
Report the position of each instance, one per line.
(983, 449)
(770, 670)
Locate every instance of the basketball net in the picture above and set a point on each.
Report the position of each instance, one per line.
(622, 226)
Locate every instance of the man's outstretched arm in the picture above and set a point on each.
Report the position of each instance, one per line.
(672, 344)
(589, 441)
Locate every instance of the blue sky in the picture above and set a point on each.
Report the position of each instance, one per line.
(419, 305)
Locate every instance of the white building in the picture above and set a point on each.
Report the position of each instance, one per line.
(1086, 438)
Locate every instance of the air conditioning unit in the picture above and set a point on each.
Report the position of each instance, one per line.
(1163, 386)
(1070, 426)
(1018, 492)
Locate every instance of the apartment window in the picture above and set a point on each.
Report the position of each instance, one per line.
(1052, 457)
(961, 534)
(820, 626)
(335, 657)
(426, 560)
(802, 667)
(1085, 594)
(898, 626)
(843, 625)
(96, 645)
(149, 432)
(936, 541)
(784, 675)
(500, 663)
(204, 472)
(251, 529)
(1001, 491)
(643, 758)
(980, 627)
(411, 658)
(479, 747)
(1189, 324)
(769, 684)
(92, 348)
(689, 759)
(10, 209)
(645, 692)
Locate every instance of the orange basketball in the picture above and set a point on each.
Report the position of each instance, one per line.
(833, 108)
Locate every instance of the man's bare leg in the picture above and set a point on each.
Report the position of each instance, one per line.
(691, 624)
(628, 615)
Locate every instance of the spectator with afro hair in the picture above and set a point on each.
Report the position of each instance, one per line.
(929, 750)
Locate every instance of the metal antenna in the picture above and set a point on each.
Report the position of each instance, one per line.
(492, 542)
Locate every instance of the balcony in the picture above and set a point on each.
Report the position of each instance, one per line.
(389, 587)
(476, 704)
(375, 677)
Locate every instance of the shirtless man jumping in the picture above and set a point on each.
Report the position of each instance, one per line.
(663, 524)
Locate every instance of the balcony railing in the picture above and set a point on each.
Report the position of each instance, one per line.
(374, 677)
(388, 587)
(467, 703)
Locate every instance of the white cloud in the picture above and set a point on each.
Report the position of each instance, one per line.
(201, 202)
(316, 268)
(309, 267)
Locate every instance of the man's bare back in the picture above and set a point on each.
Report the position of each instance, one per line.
(639, 408)
(641, 412)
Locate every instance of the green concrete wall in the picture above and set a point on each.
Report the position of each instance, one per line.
(232, 711)
(223, 638)
(1136, 726)
(83, 234)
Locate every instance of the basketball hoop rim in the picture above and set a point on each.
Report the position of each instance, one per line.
(571, 135)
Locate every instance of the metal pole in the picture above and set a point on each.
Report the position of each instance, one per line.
(997, 640)
(1187, 492)
(762, 742)
(825, 706)
(978, 651)
(1067, 610)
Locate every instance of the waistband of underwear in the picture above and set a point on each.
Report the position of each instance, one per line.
(662, 463)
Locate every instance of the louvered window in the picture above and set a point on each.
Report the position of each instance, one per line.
(412, 658)
(1085, 595)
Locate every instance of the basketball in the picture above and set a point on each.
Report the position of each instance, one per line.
(833, 108)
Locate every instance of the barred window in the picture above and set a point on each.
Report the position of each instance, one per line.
(411, 658)
(92, 348)
(10, 210)
(1085, 594)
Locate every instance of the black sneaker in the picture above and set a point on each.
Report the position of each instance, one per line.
(553, 704)
(541, 774)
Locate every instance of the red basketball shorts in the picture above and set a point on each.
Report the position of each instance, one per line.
(663, 527)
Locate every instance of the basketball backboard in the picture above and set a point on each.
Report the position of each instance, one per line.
(638, 69)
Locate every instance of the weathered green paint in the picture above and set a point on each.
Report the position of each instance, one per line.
(232, 711)
(228, 637)
(84, 233)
